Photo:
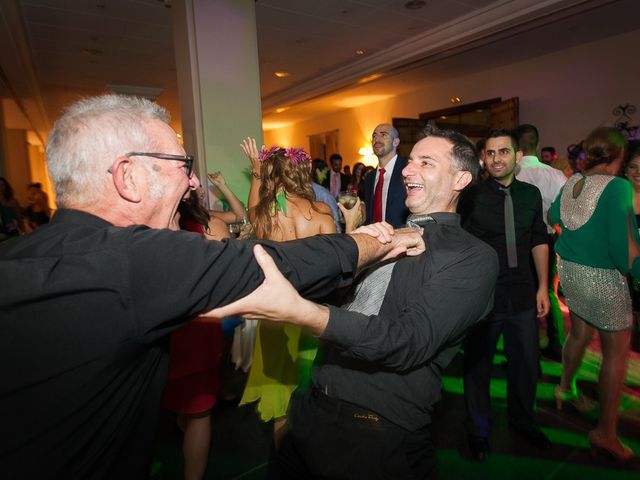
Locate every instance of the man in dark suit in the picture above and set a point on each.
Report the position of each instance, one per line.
(387, 205)
(335, 181)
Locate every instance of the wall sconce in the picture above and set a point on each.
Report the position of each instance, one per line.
(455, 100)
(368, 158)
(624, 112)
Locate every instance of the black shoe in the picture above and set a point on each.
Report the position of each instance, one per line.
(552, 353)
(479, 447)
(534, 436)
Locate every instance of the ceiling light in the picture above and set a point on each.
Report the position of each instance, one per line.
(370, 78)
(414, 4)
(282, 74)
(282, 109)
(359, 52)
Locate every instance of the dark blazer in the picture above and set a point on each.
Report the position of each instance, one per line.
(344, 181)
(397, 212)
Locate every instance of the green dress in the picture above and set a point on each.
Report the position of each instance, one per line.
(594, 250)
(282, 360)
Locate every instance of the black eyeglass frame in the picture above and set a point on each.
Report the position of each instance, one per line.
(187, 159)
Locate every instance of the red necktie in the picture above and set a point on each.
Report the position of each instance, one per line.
(335, 190)
(377, 198)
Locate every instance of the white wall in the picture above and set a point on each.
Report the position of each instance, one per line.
(565, 94)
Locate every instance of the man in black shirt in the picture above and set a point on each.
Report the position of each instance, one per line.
(378, 377)
(507, 214)
(88, 300)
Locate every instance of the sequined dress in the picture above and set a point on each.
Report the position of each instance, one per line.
(593, 249)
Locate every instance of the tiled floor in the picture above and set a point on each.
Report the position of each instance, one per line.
(241, 443)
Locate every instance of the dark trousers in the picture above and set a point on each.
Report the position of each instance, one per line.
(328, 438)
(555, 318)
(520, 331)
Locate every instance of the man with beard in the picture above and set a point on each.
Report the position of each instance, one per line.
(384, 192)
(507, 214)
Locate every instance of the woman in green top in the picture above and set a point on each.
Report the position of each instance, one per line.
(598, 246)
(282, 207)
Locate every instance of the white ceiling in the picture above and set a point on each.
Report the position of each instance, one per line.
(76, 45)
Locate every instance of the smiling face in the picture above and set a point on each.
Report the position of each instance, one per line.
(431, 179)
(500, 159)
(164, 182)
(632, 172)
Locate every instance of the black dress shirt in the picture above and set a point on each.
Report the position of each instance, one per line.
(482, 210)
(85, 309)
(391, 363)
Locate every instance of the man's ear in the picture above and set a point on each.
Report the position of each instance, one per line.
(519, 156)
(125, 181)
(463, 179)
(396, 142)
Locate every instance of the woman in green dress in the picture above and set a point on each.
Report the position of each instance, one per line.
(282, 207)
(598, 246)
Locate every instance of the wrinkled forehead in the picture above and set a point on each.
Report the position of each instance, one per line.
(432, 147)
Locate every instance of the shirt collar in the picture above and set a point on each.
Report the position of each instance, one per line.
(68, 215)
(495, 185)
(390, 165)
(444, 218)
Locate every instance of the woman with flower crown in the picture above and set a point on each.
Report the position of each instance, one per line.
(282, 207)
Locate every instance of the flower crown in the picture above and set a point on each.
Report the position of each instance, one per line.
(295, 155)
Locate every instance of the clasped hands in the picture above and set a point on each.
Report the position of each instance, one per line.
(276, 299)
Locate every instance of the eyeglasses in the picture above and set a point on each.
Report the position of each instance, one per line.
(187, 159)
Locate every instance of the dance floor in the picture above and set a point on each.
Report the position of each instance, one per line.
(240, 442)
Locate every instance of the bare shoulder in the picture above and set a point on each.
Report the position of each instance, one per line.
(217, 229)
(311, 218)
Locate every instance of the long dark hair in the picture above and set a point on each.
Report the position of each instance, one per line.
(190, 209)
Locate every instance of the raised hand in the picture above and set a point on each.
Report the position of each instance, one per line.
(250, 149)
(217, 179)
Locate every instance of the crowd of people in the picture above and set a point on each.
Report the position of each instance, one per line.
(443, 252)
(14, 219)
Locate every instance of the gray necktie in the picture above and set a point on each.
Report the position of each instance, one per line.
(370, 290)
(510, 229)
(372, 285)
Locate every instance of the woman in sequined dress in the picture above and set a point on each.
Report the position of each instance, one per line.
(632, 172)
(598, 246)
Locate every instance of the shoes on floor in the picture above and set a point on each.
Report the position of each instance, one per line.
(479, 447)
(533, 435)
(612, 448)
(576, 399)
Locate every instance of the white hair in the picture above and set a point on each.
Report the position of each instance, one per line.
(89, 136)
